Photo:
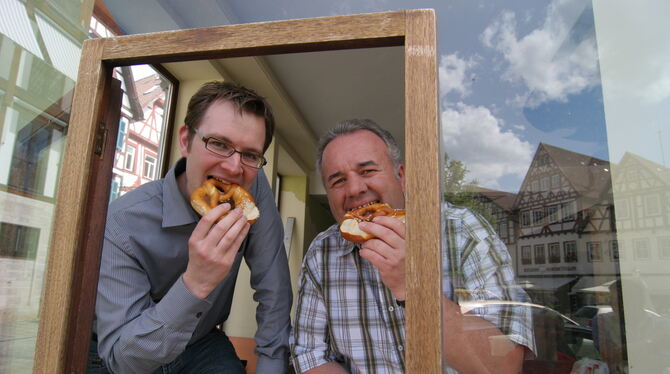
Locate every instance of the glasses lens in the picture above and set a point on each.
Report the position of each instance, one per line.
(253, 160)
(219, 147)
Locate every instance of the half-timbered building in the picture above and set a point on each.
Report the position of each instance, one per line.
(566, 228)
(642, 221)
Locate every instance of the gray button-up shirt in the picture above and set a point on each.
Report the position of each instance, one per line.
(145, 316)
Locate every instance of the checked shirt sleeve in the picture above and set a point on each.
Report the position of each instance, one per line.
(478, 270)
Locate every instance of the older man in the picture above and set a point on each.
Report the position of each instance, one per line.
(350, 313)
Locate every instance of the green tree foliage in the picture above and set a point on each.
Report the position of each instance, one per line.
(459, 192)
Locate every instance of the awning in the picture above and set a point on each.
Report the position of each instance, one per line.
(593, 284)
(544, 283)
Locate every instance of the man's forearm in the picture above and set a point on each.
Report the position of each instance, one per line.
(473, 345)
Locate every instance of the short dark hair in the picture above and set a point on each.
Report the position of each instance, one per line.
(352, 125)
(246, 100)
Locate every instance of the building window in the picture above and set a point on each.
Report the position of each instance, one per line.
(525, 218)
(538, 216)
(525, 255)
(652, 205)
(149, 167)
(594, 252)
(115, 191)
(544, 184)
(554, 253)
(130, 158)
(664, 247)
(621, 209)
(552, 213)
(18, 241)
(535, 186)
(570, 251)
(614, 250)
(503, 230)
(568, 211)
(641, 249)
(540, 257)
(121, 138)
(555, 181)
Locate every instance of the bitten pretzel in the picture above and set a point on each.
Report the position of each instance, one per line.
(349, 226)
(214, 192)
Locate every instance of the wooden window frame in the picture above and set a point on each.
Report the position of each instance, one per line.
(68, 302)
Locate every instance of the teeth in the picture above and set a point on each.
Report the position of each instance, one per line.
(218, 179)
(364, 205)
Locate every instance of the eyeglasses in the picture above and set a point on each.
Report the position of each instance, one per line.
(225, 149)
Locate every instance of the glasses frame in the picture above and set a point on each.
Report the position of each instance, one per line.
(206, 140)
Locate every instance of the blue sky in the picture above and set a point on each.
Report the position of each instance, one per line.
(512, 74)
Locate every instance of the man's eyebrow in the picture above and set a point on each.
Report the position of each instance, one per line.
(366, 163)
(227, 140)
(333, 176)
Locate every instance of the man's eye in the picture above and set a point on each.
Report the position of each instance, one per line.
(336, 182)
(368, 171)
(251, 156)
(218, 144)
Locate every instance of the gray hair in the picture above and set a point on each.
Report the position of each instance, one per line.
(352, 125)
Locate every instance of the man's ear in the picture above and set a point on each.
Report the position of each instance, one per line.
(184, 144)
(401, 176)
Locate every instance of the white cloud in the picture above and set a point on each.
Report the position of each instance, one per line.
(635, 65)
(553, 61)
(455, 76)
(472, 134)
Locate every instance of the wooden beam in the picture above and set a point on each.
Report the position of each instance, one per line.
(71, 209)
(423, 263)
(304, 35)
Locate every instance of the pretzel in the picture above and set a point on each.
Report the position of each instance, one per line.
(214, 192)
(349, 226)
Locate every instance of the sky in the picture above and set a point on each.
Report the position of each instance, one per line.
(512, 74)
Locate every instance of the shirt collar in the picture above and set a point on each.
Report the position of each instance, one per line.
(343, 247)
(177, 210)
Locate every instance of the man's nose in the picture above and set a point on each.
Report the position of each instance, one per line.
(356, 186)
(233, 164)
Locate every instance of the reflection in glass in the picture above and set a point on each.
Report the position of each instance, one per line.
(592, 202)
(580, 199)
(39, 55)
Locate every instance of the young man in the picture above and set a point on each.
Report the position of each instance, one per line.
(167, 276)
(350, 312)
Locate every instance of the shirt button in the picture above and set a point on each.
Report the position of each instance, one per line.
(391, 309)
(198, 315)
(401, 348)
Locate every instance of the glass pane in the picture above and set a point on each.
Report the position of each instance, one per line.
(635, 66)
(39, 55)
(555, 126)
(555, 122)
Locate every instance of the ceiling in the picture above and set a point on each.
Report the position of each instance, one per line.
(310, 92)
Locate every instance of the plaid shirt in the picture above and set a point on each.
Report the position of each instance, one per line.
(345, 314)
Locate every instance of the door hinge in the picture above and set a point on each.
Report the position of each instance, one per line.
(100, 139)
